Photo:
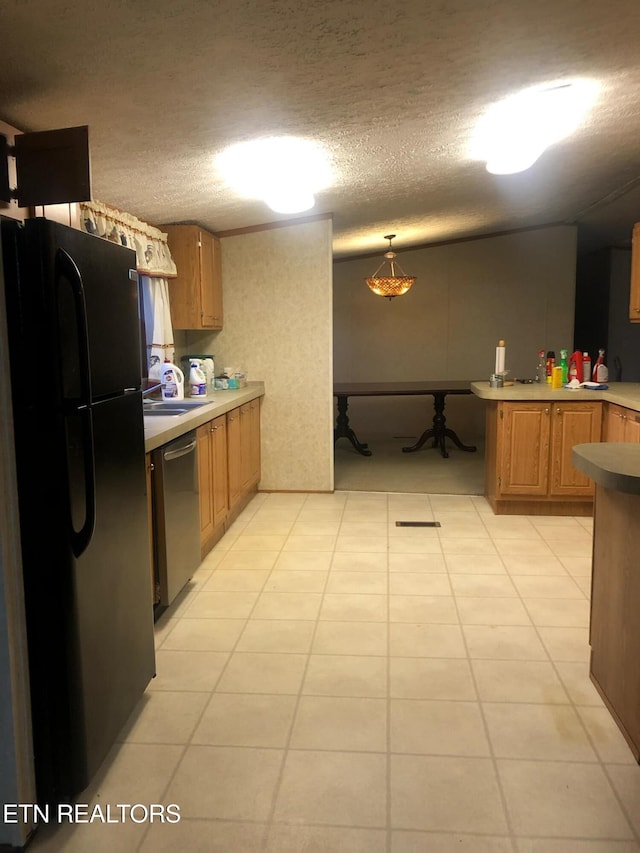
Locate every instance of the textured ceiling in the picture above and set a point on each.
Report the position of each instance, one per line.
(392, 93)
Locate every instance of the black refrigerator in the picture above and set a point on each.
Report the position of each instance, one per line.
(74, 339)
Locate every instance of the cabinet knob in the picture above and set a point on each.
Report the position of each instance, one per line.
(637, 310)
(546, 411)
(558, 412)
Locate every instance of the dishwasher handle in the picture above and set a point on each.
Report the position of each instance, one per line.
(179, 451)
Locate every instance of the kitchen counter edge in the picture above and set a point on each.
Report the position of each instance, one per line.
(160, 430)
(622, 393)
(614, 465)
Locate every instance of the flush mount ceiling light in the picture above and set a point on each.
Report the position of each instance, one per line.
(514, 132)
(394, 284)
(283, 171)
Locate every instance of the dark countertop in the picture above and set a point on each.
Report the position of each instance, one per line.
(158, 430)
(612, 464)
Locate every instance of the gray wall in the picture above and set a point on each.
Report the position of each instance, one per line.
(467, 296)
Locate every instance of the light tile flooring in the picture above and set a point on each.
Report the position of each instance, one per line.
(330, 682)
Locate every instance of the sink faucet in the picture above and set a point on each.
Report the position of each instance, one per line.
(151, 389)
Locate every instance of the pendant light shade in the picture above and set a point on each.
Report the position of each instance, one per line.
(393, 283)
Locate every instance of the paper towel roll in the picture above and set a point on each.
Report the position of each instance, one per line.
(500, 354)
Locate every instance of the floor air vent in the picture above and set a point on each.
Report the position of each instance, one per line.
(417, 524)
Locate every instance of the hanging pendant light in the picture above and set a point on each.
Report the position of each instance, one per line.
(394, 284)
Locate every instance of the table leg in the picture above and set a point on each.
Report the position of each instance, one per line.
(343, 430)
(439, 431)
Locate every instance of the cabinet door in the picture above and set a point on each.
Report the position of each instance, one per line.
(634, 293)
(219, 470)
(524, 455)
(184, 290)
(196, 292)
(155, 595)
(254, 446)
(210, 281)
(631, 426)
(205, 485)
(234, 445)
(614, 422)
(572, 423)
(245, 445)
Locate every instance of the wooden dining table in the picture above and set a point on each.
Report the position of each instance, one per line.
(438, 431)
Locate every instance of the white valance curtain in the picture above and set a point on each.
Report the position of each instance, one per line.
(155, 266)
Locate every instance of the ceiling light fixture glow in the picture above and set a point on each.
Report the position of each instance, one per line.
(284, 171)
(515, 132)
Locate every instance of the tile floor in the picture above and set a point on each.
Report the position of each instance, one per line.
(330, 682)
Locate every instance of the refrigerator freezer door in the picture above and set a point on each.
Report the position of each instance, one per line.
(101, 269)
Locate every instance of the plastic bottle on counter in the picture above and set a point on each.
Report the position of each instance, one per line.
(500, 358)
(172, 379)
(600, 369)
(586, 367)
(564, 364)
(575, 366)
(197, 381)
(541, 369)
(551, 363)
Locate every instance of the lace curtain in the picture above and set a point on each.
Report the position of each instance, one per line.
(155, 266)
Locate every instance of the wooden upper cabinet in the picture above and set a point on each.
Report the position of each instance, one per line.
(196, 293)
(524, 458)
(634, 295)
(572, 423)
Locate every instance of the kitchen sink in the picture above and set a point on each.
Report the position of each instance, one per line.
(172, 408)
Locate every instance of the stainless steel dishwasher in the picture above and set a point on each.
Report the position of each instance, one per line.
(178, 514)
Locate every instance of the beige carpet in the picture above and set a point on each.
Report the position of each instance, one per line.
(391, 470)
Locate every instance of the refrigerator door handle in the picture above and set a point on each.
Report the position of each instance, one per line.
(66, 267)
(80, 539)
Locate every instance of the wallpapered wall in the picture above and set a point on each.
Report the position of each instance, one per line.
(468, 295)
(278, 327)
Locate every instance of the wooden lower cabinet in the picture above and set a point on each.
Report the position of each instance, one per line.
(212, 481)
(621, 423)
(243, 429)
(155, 588)
(528, 456)
(614, 630)
(228, 468)
(234, 444)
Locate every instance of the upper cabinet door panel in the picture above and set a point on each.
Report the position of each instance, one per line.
(210, 281)
(196, 293)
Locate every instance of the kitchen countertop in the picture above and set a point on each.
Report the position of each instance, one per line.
(158, 429)
(623, 393)
(614, 465)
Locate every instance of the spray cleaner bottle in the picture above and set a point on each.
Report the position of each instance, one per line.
(600, 370)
